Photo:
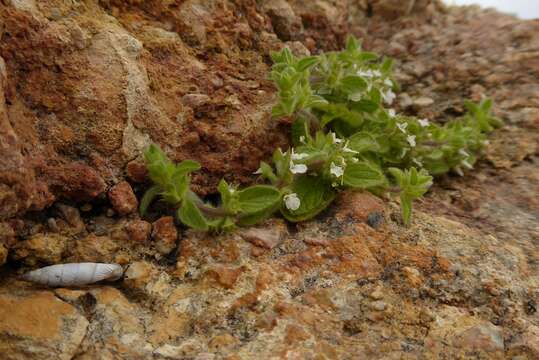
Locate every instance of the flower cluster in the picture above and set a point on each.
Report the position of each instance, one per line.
(344, 135)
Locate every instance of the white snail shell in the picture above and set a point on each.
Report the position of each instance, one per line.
(75, 274)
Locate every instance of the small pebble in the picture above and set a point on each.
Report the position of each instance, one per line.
(377, 294)
(51, 223)
(378, 305)
(423, 101)
(375, 219)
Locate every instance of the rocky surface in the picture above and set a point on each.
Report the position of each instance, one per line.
(84, 86)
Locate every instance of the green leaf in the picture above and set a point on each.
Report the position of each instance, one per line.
(367, 56)
(299, 130)
(306, 63)
(315, 195)
(406, 209)
(267, 172)
(353, 84)
(287, 56)
(387, 64)
(187, 166)
(227, 196)
(257, 198)
(254, 218)
(363, 141)
(363, 175)
(147, 199)
(365, 105)
(352, 44)
(191, 216)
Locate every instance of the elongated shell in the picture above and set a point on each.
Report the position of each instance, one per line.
(75, 274)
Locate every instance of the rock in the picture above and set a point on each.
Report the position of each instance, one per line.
(485, 337)
(116, 328)
(526, 343)
(71, 215)
(225, 276)
(219, 342)
(358, 206)
(413, 277)
(462, 331)
(136, 171)
(286, 24)
(266, 237)
(164, 234)
(41, 249)
(39, 326)
(93, 248)
(405, 100)
(195, 100)
(76, 181)
(176, 317)
(378, 305)
(138, 274)
(123, 199)
(3, 254)
(313, 239)
(147, 279)
(179, 352)
(138, 231)
(7, 235)
(375, 219)
(392, 9)
(423, 102)
(377, 294)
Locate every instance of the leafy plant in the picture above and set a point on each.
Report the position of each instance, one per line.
(344, 135)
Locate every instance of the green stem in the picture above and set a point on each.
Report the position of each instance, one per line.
(206, 209)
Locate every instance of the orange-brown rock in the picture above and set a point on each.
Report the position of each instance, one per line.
(3, 254)
(225, 276)
(123, 199)
(164, 234)
(138, 231)
(41, 249)
(39, 326)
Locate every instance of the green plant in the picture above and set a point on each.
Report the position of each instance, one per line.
(344, 135)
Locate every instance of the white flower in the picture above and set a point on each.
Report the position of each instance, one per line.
(423, 122)
(302, 139)
(355, 96)
(336, 170)
(336, 140)
(458, 170)
(417, 162)
(404, 151)
(298, 168)
(463, 153)
(389, 96)
(392, 112)
(365, 73)
(258, 172)
(347, 149)
(402, 127)
(299, 156)
(388, 82)
(411, 140)
(292, 201)
(369, 73)
(466, 164)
